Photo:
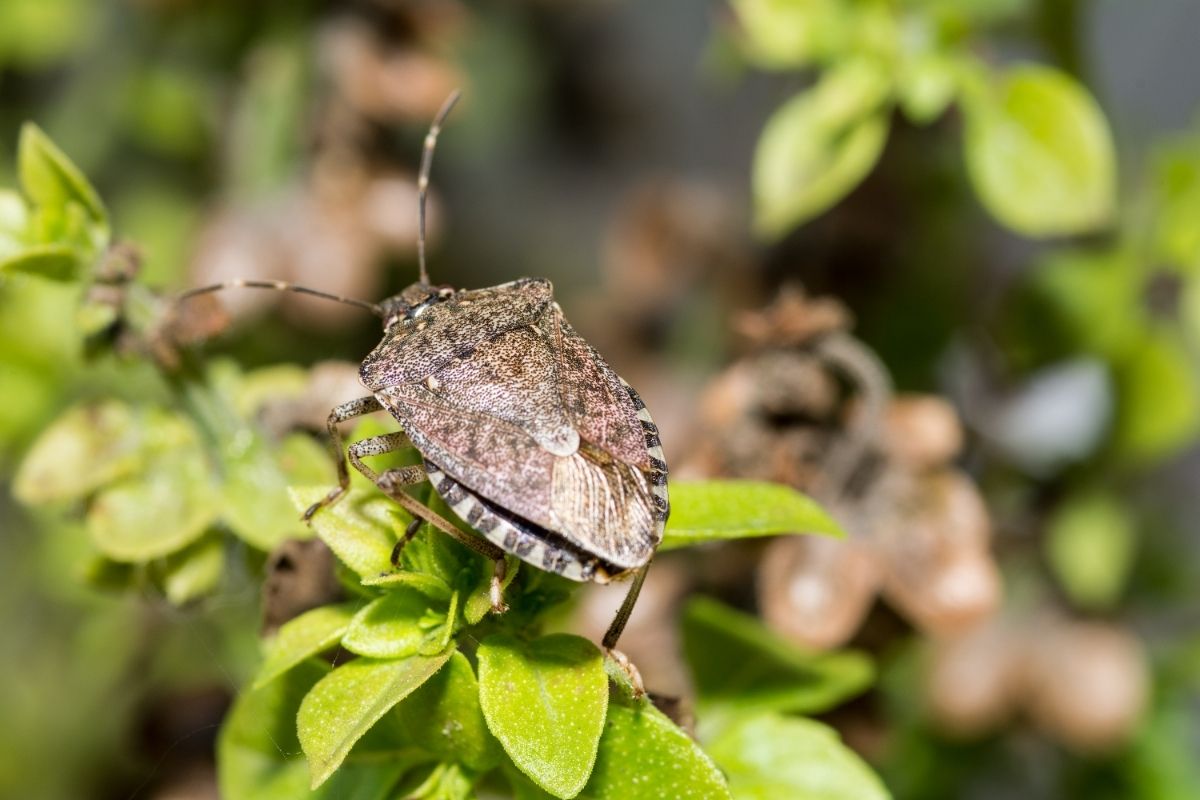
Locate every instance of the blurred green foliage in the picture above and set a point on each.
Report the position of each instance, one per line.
(1037, 148)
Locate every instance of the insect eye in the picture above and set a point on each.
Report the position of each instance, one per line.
(445, 292)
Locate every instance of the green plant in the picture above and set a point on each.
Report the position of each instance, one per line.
(409, 686)
(1037, 148)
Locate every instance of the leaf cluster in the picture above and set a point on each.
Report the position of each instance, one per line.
(159, 494)
(57, 225)
(1037, 148)
(413, 688)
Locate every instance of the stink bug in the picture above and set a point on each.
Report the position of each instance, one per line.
(523, 428)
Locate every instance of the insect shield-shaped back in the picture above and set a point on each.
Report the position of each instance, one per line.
(526, 432)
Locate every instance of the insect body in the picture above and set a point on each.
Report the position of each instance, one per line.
(525, 431)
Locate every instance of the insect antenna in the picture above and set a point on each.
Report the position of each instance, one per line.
(423, 177)
(422, 192)
(281, 286)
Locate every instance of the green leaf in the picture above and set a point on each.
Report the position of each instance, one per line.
(359, 528)
(66, 226)
(307, 635)
(42, 36)
(155, 513)
(433, 587)
(257, 506)
(344, 705)
(786, 34)
(304, 461)
(1158, 397)
(1089, 545)
(927, 85)
(771, 757)
(258, 753)
(14, 224)
(644, 756)
(739, 663)
(86, 448)
(14, 214)
(50, 179)
(444, 718)
(56, 262)
(260, 387)
(820, 145)
(523, 788)
(195, 571)
(704, 511)
(444, 782)
(545, 701)
(362, 529)
(1040, 154)
(398, 624)
(1176, 237)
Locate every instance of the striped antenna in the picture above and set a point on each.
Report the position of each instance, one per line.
(423, 177)
(281, 286)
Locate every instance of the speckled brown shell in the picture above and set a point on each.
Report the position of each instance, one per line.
(527, 433)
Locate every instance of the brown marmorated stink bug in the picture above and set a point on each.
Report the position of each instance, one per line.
(524, 430)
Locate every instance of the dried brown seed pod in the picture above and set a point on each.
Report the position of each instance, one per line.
(974, 682)
(812, 408)
(185, 324)
(1087, 683)
(389, 211)
(728, 399)
(816, 591)
(921, 431)
(760, 419)
(793, 319)
(238, 243)
(325, 244)
(791, 387)
(750, 449)
(937, 566)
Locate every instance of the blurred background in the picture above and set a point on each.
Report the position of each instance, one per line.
(1000, 404)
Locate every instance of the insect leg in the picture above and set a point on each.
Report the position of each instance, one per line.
(618, 626)
(393, 481)
(481, 546)
(349, 410)
(496, 590)
(418, 509)
(409, 533)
